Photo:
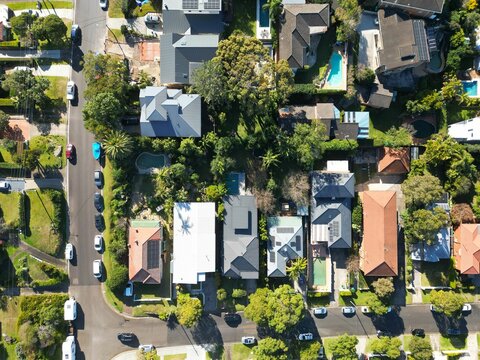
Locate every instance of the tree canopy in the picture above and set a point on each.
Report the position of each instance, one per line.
(423, 225)
(397, 137)
(118, 145)
(376, 305)
(420, 348)
(271, 349)
(305, 144)
(4, 121)
(421, 190)
(28, 90)
(383, 287)
(448, 303)
(296, 188)
(50, 28)
(279, 309)
(389, 346)
(344, 347)
(296, 268)
(102, 114)
(22, 24)
(348, 14)
(189, 310)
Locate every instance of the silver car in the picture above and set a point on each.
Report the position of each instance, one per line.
(71, 90)
(348, 310)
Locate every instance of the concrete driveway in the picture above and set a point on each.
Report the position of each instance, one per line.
(369, 38)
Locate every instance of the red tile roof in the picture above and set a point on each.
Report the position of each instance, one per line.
(466, 249)
(394, 161)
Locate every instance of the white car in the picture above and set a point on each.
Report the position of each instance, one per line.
(248, 340)
(97, 268)
(128, 289)
(347, 310)
(152, 18)
(69, 252)
(305, 337)
(22, 68)
(432, 308)
(103, 4)
(68, 348)
(98, 242)
(70, 309)
(146, 348)
(466, 307)
(319, 311)
(71, 90)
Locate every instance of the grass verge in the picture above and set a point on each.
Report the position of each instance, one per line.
(115, 35)
(50, 4)
(453, 342)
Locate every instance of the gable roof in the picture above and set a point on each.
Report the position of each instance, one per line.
(467, 130)
(193, 242)
(168, 112)
(332, 185)
(379, 252)
(466, 248)
(285, 243)
(144, 251)
(435, 6)
(240, 237)
(182, 54)
(331, 221)
(300, 23)
(394, 160)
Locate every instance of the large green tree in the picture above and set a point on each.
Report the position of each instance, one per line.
(348, 14)
(344, 347)
(22, 24)
(279, 309)
(27, 90)
(309, 350)
(421, 190)
(384, 287)
(420, 348)
(118, 145)
(390, 346)
(189, 310)
(242, 80)
(102, 114)
(50, 28)
(448, 303)
(376, 305)
(296, 268)
(4, 121)
(397, 137)
(305, 144)
(271, 349)
(423, 225)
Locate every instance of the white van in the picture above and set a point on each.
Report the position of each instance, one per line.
(68, 348)
(70, 309)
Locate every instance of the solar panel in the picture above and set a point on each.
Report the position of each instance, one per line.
(421, 39)
(211, 4)
(298, 240)
(335, 228)
(153, 254)
(272, 256)
(190, 4)
(285, 230)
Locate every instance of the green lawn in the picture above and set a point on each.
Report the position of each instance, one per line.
(47, 144)
(39, 211)
(57, 88)
(115, 9)
(240, 352)
(407, 339)
(175, 357)
(50, 4)
(8, 319)
(383, 120)
(453, 342)
(9, 207)
(359, 298)
(408, 298)
(147, 8)
(5, 154)
(116, 35)
(326, 344)
(244, 17)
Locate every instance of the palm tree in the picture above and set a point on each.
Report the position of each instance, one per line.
(296, 268)
(118, 145)
(270, 159)
(275, 8)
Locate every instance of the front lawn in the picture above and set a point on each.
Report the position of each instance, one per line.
(240, 352)
(244, 17)
(175, 357)
(57, 93)
(115, 9)
(115, 35)
(453, 342)
(436, 274)
(359, 298)
(50, 4)
(9, 207)
(47, 144)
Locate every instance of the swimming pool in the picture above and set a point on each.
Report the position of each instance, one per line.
(147, 162)
(319, 272)
(423, 129)
(335, 76)
(264, 17)
(471, 88)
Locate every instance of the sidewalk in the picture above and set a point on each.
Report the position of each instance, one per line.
(193, 352)
(28, 54)
(39, 183)
(61, 13)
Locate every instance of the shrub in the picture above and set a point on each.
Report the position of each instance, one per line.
(117, 277)
(8, 102)
(124, 30)
(239, 293)
(21, 211)
(314, 294)
(118, 244)
(345, 293)
(462, 214)
(127, 7)
(58, 199)
(239, 307)
(340, 145)
(10, 44)
(262, 228)
(365, 76)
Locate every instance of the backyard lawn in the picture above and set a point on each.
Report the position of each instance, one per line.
(244, 17)
(9, 207)
(50, 4)
(383, 120)
(453, 342)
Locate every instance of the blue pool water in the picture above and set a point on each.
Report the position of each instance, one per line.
(264, 19)
(470, 87)
(335, 75)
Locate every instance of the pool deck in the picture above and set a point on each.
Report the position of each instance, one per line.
(343, 86)
(263, 33)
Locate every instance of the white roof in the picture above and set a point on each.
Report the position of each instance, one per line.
(69, 309)
(337, 165)
(193, 242)
(467, 130)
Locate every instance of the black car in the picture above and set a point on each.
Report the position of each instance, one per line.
(126, 337)
(99, 223)
(381, 333)
(232, 319)
(418, 332)
(98, 201)
(75, 34)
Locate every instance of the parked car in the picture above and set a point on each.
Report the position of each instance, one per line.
(5, 186)
(98, 178)
(68, 251)
(146, 348)
(70, 152)
(305, 337)
(99, 223)
(382, 333)
(152, 18)
(232, 319)
(97, 268)
(418, 332)
(98, 201)
(128, 289)
(22, 68)
(248, 340)
(348, 310)
(69, 348)
(98, 242)
(75, 33)
(432, 308)
(71, 90)
(319, 311)
(103, 4)
(97, 150)
(126, 337)
(467, 307)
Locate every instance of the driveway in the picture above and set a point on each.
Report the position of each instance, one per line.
(137, 24)
(16, 185)
(340, 273)
(52, 70)
(369, 38)
(61, 13)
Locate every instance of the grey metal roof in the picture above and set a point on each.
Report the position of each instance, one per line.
(285, 243)
(240, 237)
(168, 112)
(435, 6)
(176, 21)
(433, 253)
(333, 185)
(300, 23)
(179, 52)
(336, 217)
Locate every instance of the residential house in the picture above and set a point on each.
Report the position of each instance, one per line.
(145, 247)
(394, 161)
(466, 249)
(194, 250)
(300, 30)
(360, 119)
(240, 238)
(331, 217)
(403, 43)
(379, 252)
(465, 131)
(285, 243)
(169, 112)
(420, 8)
(376, 96)
(191, 31)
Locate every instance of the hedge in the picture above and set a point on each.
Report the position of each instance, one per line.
(7, 102)
(58, 199)
(21, 211)
(10, 44)
(314, 294)
(311, 89)
(6, 165)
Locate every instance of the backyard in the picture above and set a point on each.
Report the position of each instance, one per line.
(9, 312)
(436, 274)
(244, 17)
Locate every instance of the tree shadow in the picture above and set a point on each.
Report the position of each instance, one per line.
(391, 322)
(28, 210)
(206, 333)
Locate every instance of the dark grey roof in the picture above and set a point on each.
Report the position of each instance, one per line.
(168, 112)
(379, 97)
(176, 21)
(240, 238)
(180, 54)
(332, 185)
(346, 131)
(331, 221)
(404, 42)
(300, 23)
(435, 6)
